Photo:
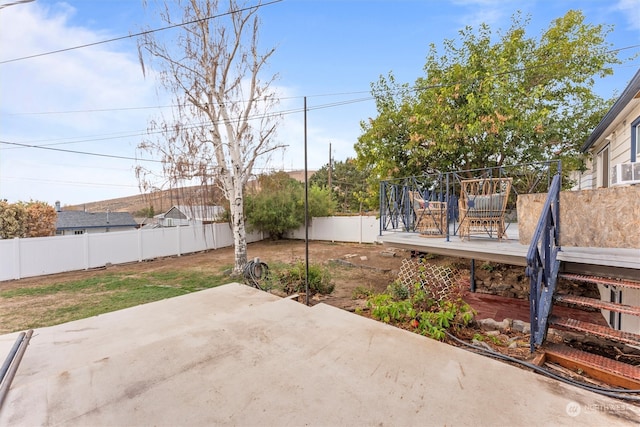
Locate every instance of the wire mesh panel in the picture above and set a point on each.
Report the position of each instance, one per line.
(438, 281)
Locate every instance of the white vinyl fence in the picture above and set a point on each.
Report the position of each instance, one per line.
(357, 229)
(20, 258)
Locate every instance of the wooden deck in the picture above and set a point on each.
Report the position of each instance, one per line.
(624, 263)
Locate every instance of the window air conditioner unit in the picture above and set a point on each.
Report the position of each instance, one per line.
(625, 173)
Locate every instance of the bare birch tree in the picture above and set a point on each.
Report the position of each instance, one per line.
(222, 121)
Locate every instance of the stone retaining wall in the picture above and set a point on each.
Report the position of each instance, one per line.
(602, 218)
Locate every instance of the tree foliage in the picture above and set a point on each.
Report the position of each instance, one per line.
(31, 219)
(278, 204)
(12, 220)
(221, 123)
(492, 99)
(148, 212)
(348, 185)
(40, 219)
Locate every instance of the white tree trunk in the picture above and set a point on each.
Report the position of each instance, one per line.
(238, 228)
(221, 123)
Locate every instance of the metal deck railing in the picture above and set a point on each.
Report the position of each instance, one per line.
(398, 214)
(543, 264)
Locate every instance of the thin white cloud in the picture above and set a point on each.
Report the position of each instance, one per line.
(490, 12)
(631, 9)
(97, 77)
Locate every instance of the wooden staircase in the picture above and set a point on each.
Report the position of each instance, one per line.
(606, 369)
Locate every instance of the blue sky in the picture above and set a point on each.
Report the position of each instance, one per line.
(329, 51)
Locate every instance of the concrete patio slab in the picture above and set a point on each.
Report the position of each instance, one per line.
(237, 356)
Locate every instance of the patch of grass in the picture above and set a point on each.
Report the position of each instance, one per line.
(67, 301)
(361, 292)
(188, 281)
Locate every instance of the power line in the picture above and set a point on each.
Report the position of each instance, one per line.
(2, 6)
(80, 152)
(95, 110)
(123, 134)
(158, 107)
(411, 88)
(139, 34)
(260, 116)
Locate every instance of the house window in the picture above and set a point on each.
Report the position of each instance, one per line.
(635, 140)
(78, 232)
(603, 167)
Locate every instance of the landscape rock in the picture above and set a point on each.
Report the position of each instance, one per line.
(491, 324)
(520, 326)
(342, 262)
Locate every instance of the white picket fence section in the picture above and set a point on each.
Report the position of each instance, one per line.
(20, 258)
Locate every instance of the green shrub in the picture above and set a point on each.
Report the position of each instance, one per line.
(425, 315)
(291, 279)
(398, 291)
(384, 308)
(279, 206)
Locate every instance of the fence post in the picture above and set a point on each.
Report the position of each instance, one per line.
(85, 236)
(140, 244)
(178, 240)
(16, 258)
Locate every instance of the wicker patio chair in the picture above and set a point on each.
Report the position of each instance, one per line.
(482, 206)
(430, 216)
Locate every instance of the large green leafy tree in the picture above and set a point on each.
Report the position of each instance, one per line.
(278, 204)
(491, 100)
(348, 185)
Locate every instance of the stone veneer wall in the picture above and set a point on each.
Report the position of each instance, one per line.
(601, 218)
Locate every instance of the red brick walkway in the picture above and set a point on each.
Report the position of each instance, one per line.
(500, 308)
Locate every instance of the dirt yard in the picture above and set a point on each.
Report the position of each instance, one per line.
(352, 266)
(359, 265)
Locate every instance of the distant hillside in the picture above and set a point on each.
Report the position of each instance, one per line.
(161, 201)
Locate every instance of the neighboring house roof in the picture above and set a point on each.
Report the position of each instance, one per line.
(629, 94)
(68, 220)
(198, 213)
